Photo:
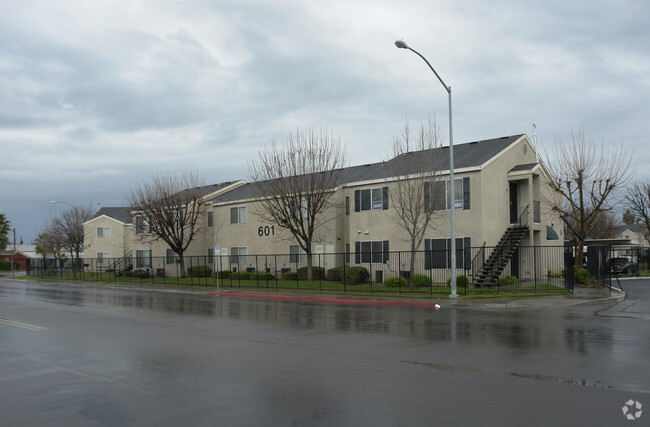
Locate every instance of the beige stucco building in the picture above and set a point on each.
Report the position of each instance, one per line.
(499, 182)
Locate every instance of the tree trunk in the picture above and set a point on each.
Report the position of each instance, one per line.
(310, 267)
(412, 267)
(181, 260)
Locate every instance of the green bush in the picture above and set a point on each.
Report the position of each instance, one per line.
(6, 265)
(335, 274)
(421, 280)
(508, 281)
(140, 274)
(580, 275)
(223, 274)
(395, 282)
(354, 275)
(461, 281)
(199, 271)
(261, 275)
(289, 275)
(240, 275)
(318, 273)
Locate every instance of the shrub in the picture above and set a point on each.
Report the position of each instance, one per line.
(199, 271)
(289, 275)
(140, 274)
(6, 265)
(580, 275)
(354, 275)
(240, 275)
(335, 274)
(261, 275)
(461, 281)
(318, 273)
(395, 282)
(223, 274)
(422, 280)
(508, 281)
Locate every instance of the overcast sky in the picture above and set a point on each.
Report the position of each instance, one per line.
(97, 96)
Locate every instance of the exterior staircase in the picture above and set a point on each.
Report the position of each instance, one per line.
(490, 271)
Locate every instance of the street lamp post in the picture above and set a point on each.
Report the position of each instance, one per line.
(402, 45)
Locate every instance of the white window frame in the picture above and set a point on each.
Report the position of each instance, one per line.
(144, 227)
(102, 257)
(375, 197)
(241, 215)
(297, 255)
(103, 232)
(236, 255)
(143, 258)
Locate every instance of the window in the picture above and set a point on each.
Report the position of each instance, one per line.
(347, 205)
(143, 259)
(437, 194)
(366, 252)
(172, 257)
(103, 232)
(371, 199)
(437, 253)
(103, 258)
(238, 215)
(210, 255)
(303, 211)
(347, 253)
(297, 255)
(238, 255)
(210, 219)
(142, 225)
(537, 211)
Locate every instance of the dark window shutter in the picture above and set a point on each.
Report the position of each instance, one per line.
(385, 189)
(439, 202)
(466, 193)
(386, 252)
(467, 248)
(427, 254)
(427, 196)
(357, 252)
(357, 201)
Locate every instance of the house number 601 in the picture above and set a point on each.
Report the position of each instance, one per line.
(266, 231)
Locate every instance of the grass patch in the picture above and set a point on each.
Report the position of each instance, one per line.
(323, 287)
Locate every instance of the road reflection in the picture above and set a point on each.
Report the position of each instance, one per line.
(518, 331)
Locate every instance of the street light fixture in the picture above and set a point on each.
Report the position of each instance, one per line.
(402, 45)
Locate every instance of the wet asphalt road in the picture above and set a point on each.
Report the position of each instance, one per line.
(72, 355)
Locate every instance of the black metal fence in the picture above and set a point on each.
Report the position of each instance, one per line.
(529, 269)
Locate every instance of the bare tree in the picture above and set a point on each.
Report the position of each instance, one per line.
(414, 170)
(67, 231)
(584, 178)
(638, 199)
(295, 183)
(169, 209)
(605, 226)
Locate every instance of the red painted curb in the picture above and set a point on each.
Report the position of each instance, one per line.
(325, 300)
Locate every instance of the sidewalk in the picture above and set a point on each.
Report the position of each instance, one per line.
(581, 296)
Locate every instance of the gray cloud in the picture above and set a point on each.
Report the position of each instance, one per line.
(94, 99)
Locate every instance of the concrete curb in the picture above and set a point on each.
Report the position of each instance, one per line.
(615, 299)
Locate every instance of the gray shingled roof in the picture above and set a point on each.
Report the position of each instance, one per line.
(525, 167)
(466, 155)
(121, 214)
